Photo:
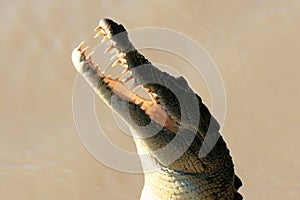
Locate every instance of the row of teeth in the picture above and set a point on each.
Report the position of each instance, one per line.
(110, 48)
(120, 57)
(120, 60)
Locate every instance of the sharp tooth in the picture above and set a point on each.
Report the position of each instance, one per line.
(125, 70)
(109, 76)
(105, 80)
(84, 50)
(115, 63)
(121, 55)
(98, 34)
(98, 28)
(105, 38)
(114, 51)
(96, 67)
(80, 46)
(116, 55)
(123, 61)
(109, 48)
(113, 57)
(132, 99)
(154, 94)
(141, 104)
(89, 57)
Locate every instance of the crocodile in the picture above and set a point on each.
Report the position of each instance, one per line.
(170, 124)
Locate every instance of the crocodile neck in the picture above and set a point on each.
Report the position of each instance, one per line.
(173, 182)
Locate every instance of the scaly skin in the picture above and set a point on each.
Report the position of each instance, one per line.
(175, 113)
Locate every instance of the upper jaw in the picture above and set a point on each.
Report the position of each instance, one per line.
(110, 27)
(115, 33)
(141, 69)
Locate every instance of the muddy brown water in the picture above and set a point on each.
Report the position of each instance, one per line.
(255, 45)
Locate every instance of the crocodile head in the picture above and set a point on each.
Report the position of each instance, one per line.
(172, 110)
(171, 124)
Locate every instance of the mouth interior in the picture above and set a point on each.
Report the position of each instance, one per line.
(151, 107)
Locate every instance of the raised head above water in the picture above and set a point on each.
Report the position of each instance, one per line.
(177, 116)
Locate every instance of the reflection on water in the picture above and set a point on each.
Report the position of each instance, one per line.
(254, 44)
